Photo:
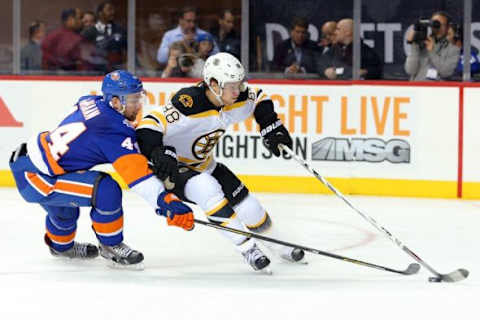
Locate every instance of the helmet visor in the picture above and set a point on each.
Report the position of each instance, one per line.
(135, 99)
(233, 86)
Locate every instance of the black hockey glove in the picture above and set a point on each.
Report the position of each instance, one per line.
(274, 134)
(164, 160)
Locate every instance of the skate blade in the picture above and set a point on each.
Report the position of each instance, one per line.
(293, 262)
(63, 257)
(266, 271)
(133, 267)
(76, 259)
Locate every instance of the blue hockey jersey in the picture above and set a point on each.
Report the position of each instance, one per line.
(94, 133)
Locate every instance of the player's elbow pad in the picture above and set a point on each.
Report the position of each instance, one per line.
(147, 141)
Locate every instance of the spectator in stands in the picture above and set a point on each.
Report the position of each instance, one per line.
(180, 62)
(61, 47)
(189, 42)
(150, 32)
(326, 47)
(204, 45)
(455, 37)
(31, 53)
(296, 54)
(328, 37)
(225, 35)
(93, 57)
(341, 66)
(88, 19)
(435, 58)
(186, 24)
(111, 37)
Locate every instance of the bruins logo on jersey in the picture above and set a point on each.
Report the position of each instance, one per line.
(186, 100)
(203, 146)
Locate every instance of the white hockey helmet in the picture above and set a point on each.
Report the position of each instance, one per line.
(224, 68)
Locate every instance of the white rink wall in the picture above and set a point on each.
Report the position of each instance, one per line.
(471, 143)
(371, 139)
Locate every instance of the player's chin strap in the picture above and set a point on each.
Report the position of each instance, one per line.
(217, 96)
(122, 110)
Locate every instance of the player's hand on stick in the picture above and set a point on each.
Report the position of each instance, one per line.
(274, 134)
(177, 213)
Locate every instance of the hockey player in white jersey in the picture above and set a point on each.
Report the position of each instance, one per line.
(179, 138)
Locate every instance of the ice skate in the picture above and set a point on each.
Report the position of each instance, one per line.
(294, 255)
(78, 251)
(288, 254)
(122, 256)
(255, 257)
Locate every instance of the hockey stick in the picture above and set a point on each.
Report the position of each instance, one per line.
(412, 268)
(453, 276)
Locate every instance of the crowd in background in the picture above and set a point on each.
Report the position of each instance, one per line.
(94, 42)
(84, 41)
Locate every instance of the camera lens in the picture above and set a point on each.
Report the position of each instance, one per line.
(185, 60)
(436, 24)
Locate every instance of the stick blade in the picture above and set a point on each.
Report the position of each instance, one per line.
(455, 276)
(412, 269)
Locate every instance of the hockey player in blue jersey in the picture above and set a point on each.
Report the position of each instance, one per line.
(52, 169)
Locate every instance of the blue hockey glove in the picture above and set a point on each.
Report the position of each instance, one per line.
(177, 213)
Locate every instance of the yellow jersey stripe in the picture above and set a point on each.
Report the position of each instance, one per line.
(253, 226)
(187, 160)
(209, 113)
(217, 208)
(224, 224)
(149, 122)
(199, 167)
(204, 165)
(235, 105)
(161, 117)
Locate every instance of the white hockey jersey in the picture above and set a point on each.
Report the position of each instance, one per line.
(193, 125)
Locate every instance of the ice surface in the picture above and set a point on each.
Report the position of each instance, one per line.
(198, 275)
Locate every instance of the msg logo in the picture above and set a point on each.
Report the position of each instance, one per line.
(358, 149)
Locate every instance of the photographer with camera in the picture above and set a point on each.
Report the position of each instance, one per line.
(180, 62)
(432, 57)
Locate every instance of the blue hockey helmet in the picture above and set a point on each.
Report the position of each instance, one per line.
(120, 83)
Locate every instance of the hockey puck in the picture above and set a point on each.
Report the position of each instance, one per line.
(435, 279)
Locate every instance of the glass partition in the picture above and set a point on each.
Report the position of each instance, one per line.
(286, 39)
(475, 41)
(6, 38)
(415, 28)
(78, 37)
(302, 39)
(173, 38)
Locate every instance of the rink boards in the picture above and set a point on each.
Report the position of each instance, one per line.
(367, 138)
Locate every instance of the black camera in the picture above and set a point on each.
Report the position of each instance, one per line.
(186, 60)
(421, 30)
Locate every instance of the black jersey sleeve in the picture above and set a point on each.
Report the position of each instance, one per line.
(147, 141)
